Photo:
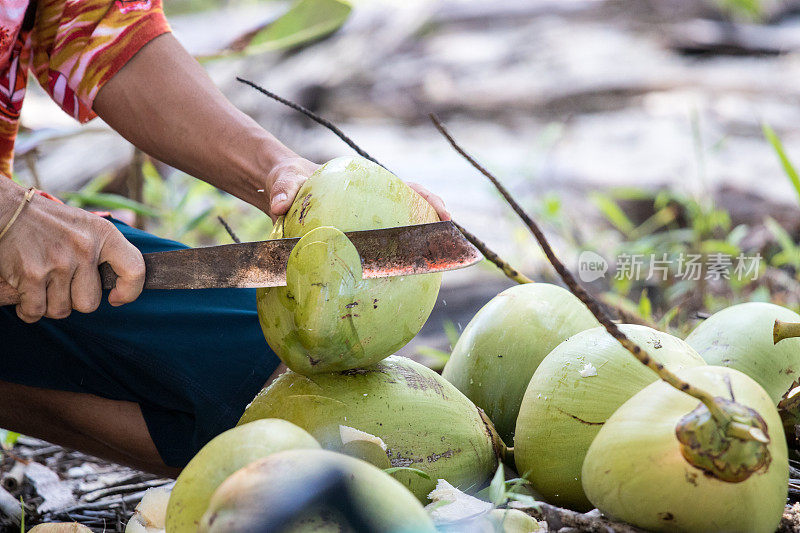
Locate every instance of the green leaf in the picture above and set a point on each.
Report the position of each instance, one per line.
(668, 317)
(195, 221)
(525, 499)
(749, 9)
(645, 305)
(97, 184)
(785, 240)
(451, 332)
(788, 167)
(416, 471)
(434, 353)
(306, 21)
(8, 438)
(436, 505)
(109, 201)
(715, 246)
(497, 488)
(613, 213)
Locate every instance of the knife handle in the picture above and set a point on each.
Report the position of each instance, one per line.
(10, 296)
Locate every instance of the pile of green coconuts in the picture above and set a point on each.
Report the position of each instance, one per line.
(590, 425)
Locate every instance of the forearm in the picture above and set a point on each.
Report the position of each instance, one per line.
(164, 103)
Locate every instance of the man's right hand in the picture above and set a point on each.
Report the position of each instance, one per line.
(51, 254)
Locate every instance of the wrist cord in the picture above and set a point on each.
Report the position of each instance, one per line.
(25, 201)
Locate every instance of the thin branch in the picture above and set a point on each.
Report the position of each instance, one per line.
(228, 229)
(577, 289)
(313, 116)
(507, 269)
(479, 244)
(558, 518)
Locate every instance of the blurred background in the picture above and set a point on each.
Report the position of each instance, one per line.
(644, 127)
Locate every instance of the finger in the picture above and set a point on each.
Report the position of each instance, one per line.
(283, 191)
(33, 301)
(436, 202)
(86, 291)
(59, 300)
(128, 264)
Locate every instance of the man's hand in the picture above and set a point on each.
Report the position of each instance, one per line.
(283, 182)
(51, 254)
(288, 176)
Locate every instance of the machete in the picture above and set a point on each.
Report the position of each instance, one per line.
(398, 251)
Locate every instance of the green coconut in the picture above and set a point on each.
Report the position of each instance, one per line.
(571, 395)
(328, 319)
(417, 417)
(497, 354)
(222, 456)
(387, 506)
(638, 471)
(741, 337)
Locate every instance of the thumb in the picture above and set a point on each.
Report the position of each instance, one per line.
(128, 264)
(283, 192)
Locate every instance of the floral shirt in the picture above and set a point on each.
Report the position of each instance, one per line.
(72, 47)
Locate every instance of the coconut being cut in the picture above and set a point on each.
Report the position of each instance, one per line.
(327, 318)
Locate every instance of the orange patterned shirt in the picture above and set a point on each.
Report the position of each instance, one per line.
(72, 47)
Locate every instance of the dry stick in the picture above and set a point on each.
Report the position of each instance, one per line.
(739, 430)
(558, 518)
(507, 269)
(313, 116)
(476, 242)
(228, 229)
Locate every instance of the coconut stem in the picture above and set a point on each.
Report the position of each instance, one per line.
(588, 300)
(492, 257)
(785, 330)
(507, 269)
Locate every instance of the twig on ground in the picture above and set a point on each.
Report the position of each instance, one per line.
(105, 504)
(123, 489)
(10, 506)
(491, 256)
(13, 478)
(558, 518)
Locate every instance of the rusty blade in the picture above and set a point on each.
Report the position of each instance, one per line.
(399, 251)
